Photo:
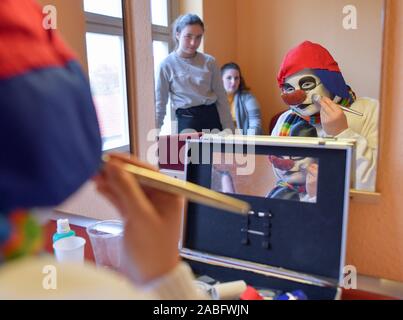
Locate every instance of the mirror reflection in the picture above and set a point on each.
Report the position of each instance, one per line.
(277, 177)
(291, 50)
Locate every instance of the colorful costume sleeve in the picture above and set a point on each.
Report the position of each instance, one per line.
(18, 280)
(50, 141)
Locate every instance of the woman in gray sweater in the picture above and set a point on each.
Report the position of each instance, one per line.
(244, 106)
(191, 80)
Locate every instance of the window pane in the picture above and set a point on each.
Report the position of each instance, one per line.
(106, 66)
(160, 51)
(112, 8)
(159, 12)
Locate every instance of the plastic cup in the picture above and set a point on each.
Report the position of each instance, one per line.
(70, 249)
(107, 243)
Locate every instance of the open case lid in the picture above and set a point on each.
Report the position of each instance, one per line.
(288, 237)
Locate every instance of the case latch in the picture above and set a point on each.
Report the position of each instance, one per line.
(264, 220)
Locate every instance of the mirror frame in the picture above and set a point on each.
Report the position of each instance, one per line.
(367, 196)
(135, 89)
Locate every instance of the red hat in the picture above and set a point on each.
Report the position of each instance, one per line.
(307, 55)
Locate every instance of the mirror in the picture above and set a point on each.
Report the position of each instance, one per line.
(266, 30)
(257, 34)
(275, 177)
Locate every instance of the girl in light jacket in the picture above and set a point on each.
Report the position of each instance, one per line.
(244, 106)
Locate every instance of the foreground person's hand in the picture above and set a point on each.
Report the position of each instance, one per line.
(152, 219)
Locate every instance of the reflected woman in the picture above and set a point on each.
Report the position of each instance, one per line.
(191, 80)
(244, 106)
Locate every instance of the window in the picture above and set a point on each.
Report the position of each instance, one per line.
(106, 66)
(159, 12)
(111, 8)
(163, 13)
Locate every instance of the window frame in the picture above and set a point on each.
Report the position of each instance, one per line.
(98, 23)
(107, 25)
(164, 34)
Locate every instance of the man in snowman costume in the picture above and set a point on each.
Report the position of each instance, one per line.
(314, 89)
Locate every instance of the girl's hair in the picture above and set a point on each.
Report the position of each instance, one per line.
(183, 21)
(233, 66)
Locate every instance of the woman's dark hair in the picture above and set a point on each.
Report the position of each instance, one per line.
(233, 66)
(182, 22)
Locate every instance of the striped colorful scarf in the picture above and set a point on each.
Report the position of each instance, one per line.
(346, 102)
(299, 188)
(292, 119)
(20, 235)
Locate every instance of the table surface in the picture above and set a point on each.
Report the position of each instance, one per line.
(369, 288)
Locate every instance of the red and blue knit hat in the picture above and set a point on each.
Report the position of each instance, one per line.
(308, 55)
(50, 140)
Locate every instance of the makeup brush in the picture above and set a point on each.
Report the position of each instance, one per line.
(316, 99)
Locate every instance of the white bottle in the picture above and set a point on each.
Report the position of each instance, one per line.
(63, 230)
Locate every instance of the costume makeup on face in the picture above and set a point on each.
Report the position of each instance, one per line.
(298, 90)
(310, 69)
(291, 170)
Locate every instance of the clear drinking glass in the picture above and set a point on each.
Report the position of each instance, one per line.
(107, 243)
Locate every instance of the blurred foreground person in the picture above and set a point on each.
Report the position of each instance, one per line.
(51, 145)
